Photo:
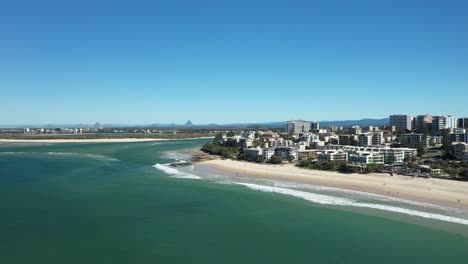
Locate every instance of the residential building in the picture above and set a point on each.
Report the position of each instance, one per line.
(252, 153)
(440, 123)
(366, 157)
(391, 155)
(365, 139)
(308, 154)
(462, 122)
(415, 140)
(317, 144)
(314, 125)
(268, 152)
(457, 149)
(287, 152)
(356, 130)
(423, 123)
(377, 138)
(401, 122)
(334, 155)
(281, 143)
(460, 135)
(298, 127)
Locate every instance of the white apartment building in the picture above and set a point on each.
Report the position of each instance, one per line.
(332, 155)
(268, 152)
(365, 139)
(443, 122)
(253, 152)
(458, 150)
(366, 157)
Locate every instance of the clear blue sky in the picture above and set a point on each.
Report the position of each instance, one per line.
(141, 62)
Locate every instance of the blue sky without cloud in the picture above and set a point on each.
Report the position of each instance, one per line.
(142, 62)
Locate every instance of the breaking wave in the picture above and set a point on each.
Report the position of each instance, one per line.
(338, 201)
(71, 154)
(175, 173)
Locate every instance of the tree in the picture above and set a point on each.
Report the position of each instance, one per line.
(230, 134)
(276, 159)
(218, 137)
(421, 150)
(463, 174)
(260, 159)
(290, 158)
(446, 140)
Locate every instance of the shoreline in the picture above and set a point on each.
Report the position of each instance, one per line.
(435, 191)
(93, 140)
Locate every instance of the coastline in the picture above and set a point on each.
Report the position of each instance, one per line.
(435, 191)
(93, 140)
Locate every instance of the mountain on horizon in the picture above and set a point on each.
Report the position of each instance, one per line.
(344, 123)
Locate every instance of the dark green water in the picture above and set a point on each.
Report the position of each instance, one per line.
(113, 207)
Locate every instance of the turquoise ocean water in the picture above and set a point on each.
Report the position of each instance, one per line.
(121, 203)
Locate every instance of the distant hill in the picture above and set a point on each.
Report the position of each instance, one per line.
(277, 124)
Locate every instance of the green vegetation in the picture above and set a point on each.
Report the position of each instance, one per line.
(276, 159)
(329, 165)
(421, 150)
(215, 148)
(372, 167)
(463, 174)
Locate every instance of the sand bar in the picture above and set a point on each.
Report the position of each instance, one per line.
(437, 191)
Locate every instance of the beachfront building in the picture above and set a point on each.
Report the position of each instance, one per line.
(401, 122)
(287, 152)
(391, 155)
(457, 149)
(268, 153)
(246, 142)
(252, 153)
(332, 155)
(307, 154)
(297, 127)
(366, 157)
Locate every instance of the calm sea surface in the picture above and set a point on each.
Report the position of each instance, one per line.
(113, 203)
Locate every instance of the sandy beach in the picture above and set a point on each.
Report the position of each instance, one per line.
(435, 191)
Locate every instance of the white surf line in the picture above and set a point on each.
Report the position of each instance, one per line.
(176, 173)
(331, 200)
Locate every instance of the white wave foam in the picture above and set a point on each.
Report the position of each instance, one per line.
(330, 200)
(85, 155)
(81, 155)
(175, 172)
(360, 193)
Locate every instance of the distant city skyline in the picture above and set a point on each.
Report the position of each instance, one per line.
(71, 62)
